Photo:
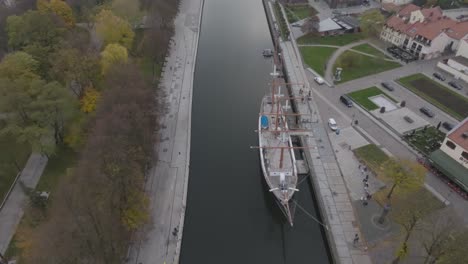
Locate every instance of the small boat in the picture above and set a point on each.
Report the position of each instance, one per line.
(267, 53)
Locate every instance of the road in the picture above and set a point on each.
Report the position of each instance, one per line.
(329, 106)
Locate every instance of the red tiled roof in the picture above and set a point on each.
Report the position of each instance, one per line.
(456, 134)
(432, 13)
(406, 11)
(434, 24)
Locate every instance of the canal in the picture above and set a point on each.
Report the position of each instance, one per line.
(230, 216)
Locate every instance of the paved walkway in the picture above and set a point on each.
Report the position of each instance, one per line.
(330, 187)
(168, 180)
(12, 211)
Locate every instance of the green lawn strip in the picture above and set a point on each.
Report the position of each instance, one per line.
(362, 97)
(13, 157)
(282, 23)
(364, 66)
(299, 12)
(406, 82)
(317, 57)
(339, 40)
(372, 156)
(425, 140)
(366, 48)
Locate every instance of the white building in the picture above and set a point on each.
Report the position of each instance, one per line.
(458, 65)
(427, 33)
(452, 157)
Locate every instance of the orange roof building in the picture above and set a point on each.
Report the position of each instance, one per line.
(425, 32)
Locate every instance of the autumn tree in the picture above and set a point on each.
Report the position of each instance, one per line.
(59, 8)
(113, 54)
(103, 200)
(113, 29)
(127, 9)
(408, 211)
(75, 69)
(371, 22)
(19, 65)
(406, 175)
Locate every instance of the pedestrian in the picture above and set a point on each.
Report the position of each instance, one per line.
(356, 239)
(359, 166)
(310, 93)
(369, 196)
(366, 185)
(365, 168)
(367, 177)
(364, 180)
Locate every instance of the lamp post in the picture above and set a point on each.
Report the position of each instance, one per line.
(385, 211)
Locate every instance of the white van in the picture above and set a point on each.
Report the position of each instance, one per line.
(332, 124)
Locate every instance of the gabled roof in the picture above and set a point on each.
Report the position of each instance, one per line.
(406, 11)
(432, 13)
(456, 134)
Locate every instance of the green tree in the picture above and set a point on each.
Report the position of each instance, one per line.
(456, 250)
(113, 54)
(372, 22)
(59, 8)
(127, 9)
(406, 175)
(75, 70)
(33, 27)
(36, 112)
(113, 29)
(19, 65)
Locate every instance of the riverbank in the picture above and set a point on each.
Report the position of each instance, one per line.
(330, 189)
(167, 181)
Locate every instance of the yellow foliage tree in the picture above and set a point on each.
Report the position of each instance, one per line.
(113, 54)
(406, 175)
(59, 8)
(113, 29)
(136, 212)
(89, 100)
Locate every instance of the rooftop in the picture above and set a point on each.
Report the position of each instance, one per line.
(450, 167)
(433, 25)
(459, 134)
(460, 59)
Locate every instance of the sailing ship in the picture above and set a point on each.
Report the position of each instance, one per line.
(277, 157)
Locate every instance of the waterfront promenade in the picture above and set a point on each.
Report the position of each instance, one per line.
(330, 188)
(160, 241)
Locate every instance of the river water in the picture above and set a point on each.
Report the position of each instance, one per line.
(230, 216)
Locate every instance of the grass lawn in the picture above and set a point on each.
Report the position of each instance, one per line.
(299, 12)
(372, 156)
(57, 166)
(366, 48)
(317, 57)
(13, 157)
(425, 141)
(447, 100)
(359, 65)
(340, 40)
(362, 97)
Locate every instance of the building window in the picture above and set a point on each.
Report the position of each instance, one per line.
(450, 144)
(465, 155)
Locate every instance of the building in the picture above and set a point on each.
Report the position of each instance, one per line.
(458, 65)
(452, 157)
(426, 32)
(338, 25)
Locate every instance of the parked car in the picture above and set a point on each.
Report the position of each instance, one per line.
(319, 80)
(427, 111)
(455, 85)
(346, 100)
(388, 86)
(438, 76)
(461, 16)
(332, 124)
(447, 125)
